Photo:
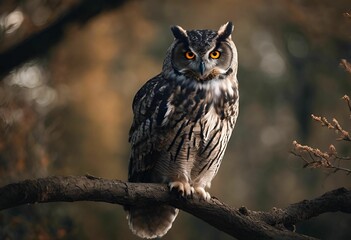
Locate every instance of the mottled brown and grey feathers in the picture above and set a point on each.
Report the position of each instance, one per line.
(183, 119)
(149, 108)
(169, 116)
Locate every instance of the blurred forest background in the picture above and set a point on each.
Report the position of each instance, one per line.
(68, 111)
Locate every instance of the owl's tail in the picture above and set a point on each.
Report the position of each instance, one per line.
(151, 222)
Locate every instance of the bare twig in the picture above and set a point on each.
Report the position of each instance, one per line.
(347, 100)
(319, 159)
(344, 63)
(344, 135)
(323, 120)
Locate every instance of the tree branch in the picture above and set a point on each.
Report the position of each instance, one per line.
(39, 42)
(239, 223)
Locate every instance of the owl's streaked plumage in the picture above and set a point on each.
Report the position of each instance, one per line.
(183, 119)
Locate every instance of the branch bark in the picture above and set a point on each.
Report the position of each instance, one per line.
(237, 222)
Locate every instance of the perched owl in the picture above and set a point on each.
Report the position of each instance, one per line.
(183, 119)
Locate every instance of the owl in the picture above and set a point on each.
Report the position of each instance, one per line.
(183, 119)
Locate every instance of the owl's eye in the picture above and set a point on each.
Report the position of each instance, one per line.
(215, 54)
(189, 55)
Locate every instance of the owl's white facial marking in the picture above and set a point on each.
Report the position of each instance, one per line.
(218, 86)
(214, 89)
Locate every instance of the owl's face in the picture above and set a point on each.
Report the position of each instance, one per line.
(203, 54)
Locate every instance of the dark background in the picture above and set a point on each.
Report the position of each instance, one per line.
(68, 111)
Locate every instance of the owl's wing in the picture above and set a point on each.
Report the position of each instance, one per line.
(150, 108)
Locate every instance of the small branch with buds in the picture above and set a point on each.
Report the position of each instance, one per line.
(315, 158)
(344, 63)
(344, 135)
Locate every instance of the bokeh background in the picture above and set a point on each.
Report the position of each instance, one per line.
(68, 111)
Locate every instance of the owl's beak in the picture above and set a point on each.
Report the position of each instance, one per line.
(202, 68)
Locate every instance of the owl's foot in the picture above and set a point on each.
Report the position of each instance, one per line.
(183, 188)
(202, 193)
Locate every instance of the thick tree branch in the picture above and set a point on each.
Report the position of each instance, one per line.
(38, 42)
(332, 201)
(240, 223)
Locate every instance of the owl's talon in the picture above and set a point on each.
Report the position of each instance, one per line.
(183, 188)
(202, 193)
(188, 190)
(192, 191)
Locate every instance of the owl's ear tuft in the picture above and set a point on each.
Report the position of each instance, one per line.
(225, 31)
(179, 33)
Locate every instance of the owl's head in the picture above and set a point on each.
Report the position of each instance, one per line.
(202, 54)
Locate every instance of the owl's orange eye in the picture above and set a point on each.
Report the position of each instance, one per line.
(215, 54)
(189, 55)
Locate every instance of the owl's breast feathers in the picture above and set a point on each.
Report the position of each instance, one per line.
(166, 109)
